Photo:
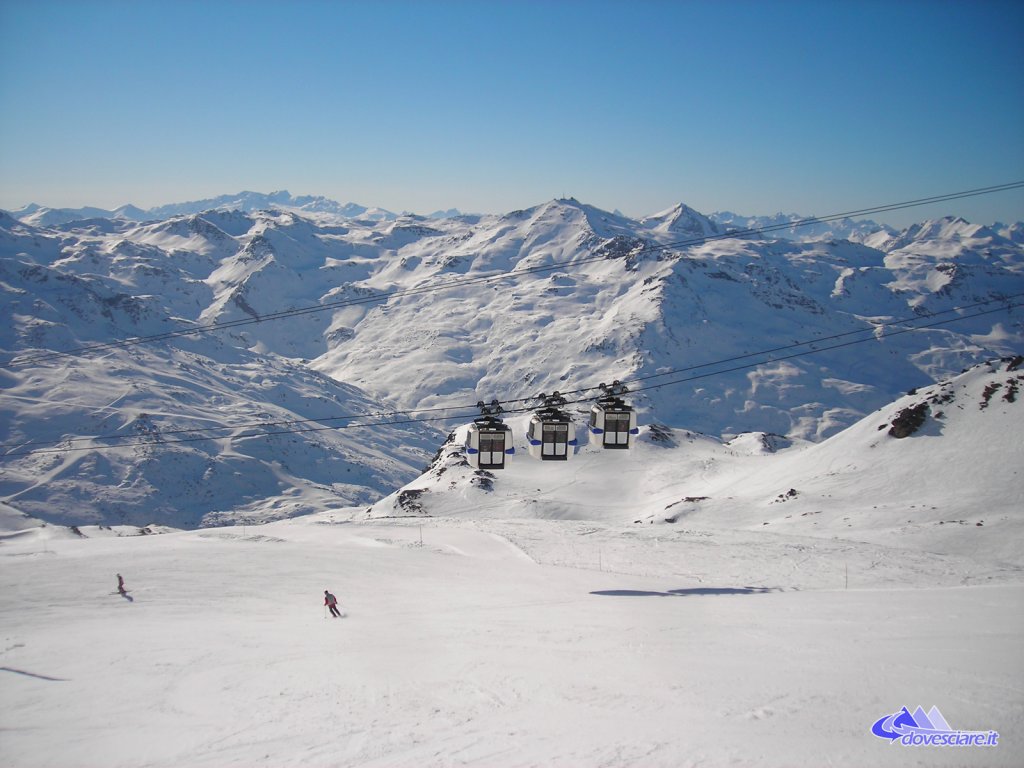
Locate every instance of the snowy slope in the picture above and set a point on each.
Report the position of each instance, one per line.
(182, 434)
(211, 438)
(506, 642)
(939, 470)
(953, 486)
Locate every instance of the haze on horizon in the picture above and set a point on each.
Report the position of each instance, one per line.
(750, 107)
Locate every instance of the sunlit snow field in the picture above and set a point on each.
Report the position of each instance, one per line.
(465, 650)
(556, 618)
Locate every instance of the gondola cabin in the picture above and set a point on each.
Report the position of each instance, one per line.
(612, 424)
(552, 435)
(488, 442)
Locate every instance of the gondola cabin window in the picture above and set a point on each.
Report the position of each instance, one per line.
(616, 430)
(492, 450)
(612, 424)
(555, 439)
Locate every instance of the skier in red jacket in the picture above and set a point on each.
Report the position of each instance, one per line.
(331, 602)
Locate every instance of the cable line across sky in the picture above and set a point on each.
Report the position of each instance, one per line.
(468, 411)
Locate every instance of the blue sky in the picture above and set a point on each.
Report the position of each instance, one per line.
(754, 107)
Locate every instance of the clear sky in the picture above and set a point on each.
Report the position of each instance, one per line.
(755, 107)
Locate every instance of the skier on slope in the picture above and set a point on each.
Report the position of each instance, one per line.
(120, 584)
(331, 602)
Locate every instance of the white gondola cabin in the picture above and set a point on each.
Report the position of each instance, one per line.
(488, 442)
(551, 435)
(612, 424)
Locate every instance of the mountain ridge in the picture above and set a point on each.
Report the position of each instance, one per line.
(790, 226)
(717, 335)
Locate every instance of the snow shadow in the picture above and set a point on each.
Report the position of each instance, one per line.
(687, 592)
(33, 674)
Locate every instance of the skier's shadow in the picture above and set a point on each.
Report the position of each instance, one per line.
(127, 597)
(33, 674)
(687, 592)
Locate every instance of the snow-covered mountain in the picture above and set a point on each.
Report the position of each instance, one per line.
(255, 201)
(592, 298)
(246, 202)
(1014, 232)
(682, 222)
(713, 334)
(792, 226)
(205, 429)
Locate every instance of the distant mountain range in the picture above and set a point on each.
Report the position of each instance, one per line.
(246, 202)
(330, 314)
(790, 226)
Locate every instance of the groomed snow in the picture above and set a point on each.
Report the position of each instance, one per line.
(531, 622)
(465, 651)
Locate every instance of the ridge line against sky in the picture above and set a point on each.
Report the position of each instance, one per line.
(751, 107)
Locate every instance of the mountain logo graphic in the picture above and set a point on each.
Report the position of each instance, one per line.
(929, 729)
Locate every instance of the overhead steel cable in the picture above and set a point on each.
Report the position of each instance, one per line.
(887, 335)
(873, 330)
(234, 427)
(241, 322)
(157, 441)
(467, 281)
(805, 353)
(876, 209)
